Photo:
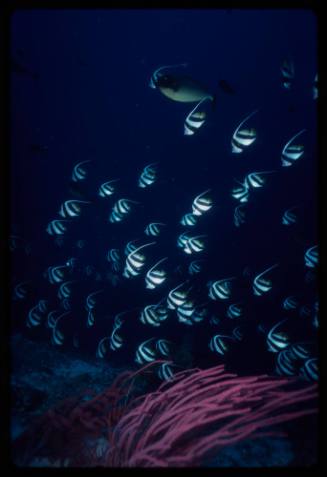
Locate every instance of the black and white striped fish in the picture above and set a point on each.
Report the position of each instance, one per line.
(176, 297)
(242, 138)
(107, 188)
(165, 371)
(289, 217)
(315, 87)
(145, 352)
(195, 267)
(56, 274)
(135, 261)
(130, 247)
(292, 153)
(43, 305)
(57, 336)
(65, 290)
(277, 340)
(34, 317)
(290, 303)
(72, 208)
(118, 320)
(311, 257)
(285, 364)
(262, 285)
(218, 343)
(120, 209)
(241, 192)
(148, 175)
(91, 301)
(182, 239)
(79, 172)
(201, 203)
(163, 347)
(315, 320)
(256, 179)
(309, 371)
(102, 348)
(57, 227)
(65, 304)
(195, 119)
(90, 318)
(184, 312)
(234, 311)
(220, 288)
(287, 70)
(20, 291)
(153, 228)
(299, 351)
(155, 277)
(113, 255)
(52, 318)
(239, 215)
(116, 341)
(153, 315)
(80, 243)
(189, 219)
(237, 333)
(194, 244)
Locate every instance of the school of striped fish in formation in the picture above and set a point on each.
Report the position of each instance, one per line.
(131, 260)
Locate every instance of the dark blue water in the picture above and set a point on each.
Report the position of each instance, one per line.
(84, 94)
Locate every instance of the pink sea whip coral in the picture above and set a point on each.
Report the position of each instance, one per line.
(199, 412)
(182, 423)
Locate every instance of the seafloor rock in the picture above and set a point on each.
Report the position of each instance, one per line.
(41, 376)
(264, 452)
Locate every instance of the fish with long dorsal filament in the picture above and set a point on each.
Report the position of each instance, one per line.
(195, 119)
(79, 173)
(107, 188)
(243, 138)
(220, 288)
(135, 261)
(292, 152)
(262, 285)
(155, 277)
(277, 340)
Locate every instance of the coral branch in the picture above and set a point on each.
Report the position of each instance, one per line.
(201, 411)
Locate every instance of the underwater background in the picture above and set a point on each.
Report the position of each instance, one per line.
(80, 91)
